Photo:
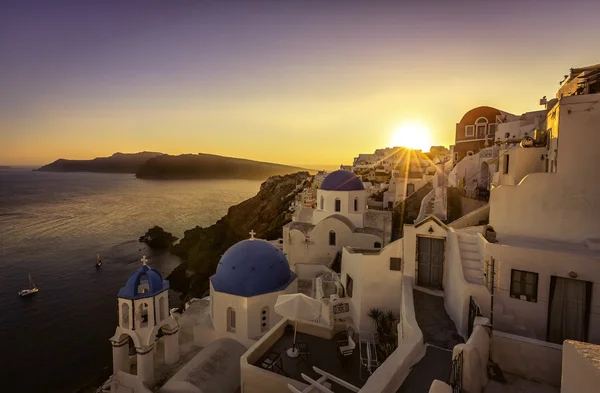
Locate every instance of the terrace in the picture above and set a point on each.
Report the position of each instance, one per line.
(268, 362)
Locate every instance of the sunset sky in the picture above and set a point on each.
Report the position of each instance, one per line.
(307, 83)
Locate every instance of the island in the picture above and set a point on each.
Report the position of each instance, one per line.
(210, 166)
(117, 163)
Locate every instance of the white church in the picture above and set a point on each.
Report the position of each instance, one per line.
(520, 295)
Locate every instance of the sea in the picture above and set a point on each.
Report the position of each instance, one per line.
(52, 225)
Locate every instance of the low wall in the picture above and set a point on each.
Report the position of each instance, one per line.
(257, 380)
(527, 357)
(423, 210)
(581, 367)
(308, 271)
(127, 383)
(391, 374)
(475, 353)
(473, 218)
(456, 288)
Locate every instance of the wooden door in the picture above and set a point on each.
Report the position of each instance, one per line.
(430, 262)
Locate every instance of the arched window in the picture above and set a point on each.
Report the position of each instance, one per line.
(377, 245)
(355, 204)
(125, 316)
(162, 309)
(322, 202)
(481, 127)
(143, 315)
(338, 205)
(264, 319)
(231, 320)
(331, 238)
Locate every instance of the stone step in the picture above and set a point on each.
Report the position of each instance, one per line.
(468, 247)
(472, 263)
(472, 273)
(469, 254)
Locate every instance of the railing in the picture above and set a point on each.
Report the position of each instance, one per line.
(474, 312)
(456, 373)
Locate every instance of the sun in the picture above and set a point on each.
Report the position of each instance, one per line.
(411, 135)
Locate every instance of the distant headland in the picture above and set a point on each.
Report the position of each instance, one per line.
(117, 163)
(153, 165)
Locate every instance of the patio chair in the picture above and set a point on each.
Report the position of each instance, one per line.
(303, 352)
(345, 344)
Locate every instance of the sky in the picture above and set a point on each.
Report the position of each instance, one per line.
(306, 83)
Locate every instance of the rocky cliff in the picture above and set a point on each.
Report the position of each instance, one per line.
(201, 248)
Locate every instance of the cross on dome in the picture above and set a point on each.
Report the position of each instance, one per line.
(144, 260)
(252, 233)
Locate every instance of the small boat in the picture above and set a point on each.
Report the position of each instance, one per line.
(98, 260)
(29, 291)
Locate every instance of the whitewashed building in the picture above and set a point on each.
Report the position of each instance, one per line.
(341, 218)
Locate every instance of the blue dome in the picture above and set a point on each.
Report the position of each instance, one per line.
(342, 181)
(143, 275)
(251, 268)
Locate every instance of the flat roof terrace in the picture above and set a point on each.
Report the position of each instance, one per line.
(323, 354)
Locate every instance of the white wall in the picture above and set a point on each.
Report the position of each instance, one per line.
(547, 263)
(317, 250)
(562, 205)
(531, 359)
(521, 162)
(375, 285)
(247, 313)
(390, 375)
(346, 205)
(581, 368)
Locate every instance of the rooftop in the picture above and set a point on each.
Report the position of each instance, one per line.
(547, 245)
(323, 355)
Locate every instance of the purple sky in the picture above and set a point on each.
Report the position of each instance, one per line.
(268, 80)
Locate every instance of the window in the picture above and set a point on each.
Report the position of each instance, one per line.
(523, 285)
(264, 320)
(377, 245)
(331, 238)
(396, 264)
(470, 131)
(162, 308)
(125, 315)
(322, 201)
(469, 153)
(492, 129)
(506, 163)
(481, 120)
(355, 204)
(349, 285)
(338, 205)
(456, 156)
(481, 129)
(231, 320)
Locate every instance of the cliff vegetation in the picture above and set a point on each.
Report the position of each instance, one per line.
(201, 248)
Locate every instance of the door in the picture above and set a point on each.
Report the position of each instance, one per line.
(430, 262)
(569, 309)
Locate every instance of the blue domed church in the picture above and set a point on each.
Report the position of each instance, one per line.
(341, 218)
(147, 334)
(243, 291)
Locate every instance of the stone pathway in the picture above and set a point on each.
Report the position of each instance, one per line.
(436, 364)
(437, 327)
(440, 335)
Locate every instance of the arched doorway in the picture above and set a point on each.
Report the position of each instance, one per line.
(484, 175)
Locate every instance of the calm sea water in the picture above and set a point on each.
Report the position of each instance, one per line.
(52, 225)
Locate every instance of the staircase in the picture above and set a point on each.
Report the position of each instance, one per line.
(470, 257)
